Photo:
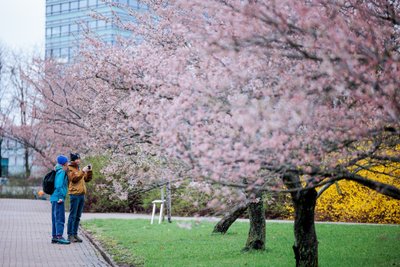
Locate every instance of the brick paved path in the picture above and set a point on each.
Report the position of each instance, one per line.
(25, 235)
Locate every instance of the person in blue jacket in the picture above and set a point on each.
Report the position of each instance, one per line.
(57, 200)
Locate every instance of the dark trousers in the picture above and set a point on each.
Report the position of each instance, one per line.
(57, 218)
(75, 212)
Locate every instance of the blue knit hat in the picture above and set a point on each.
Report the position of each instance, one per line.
(61, 159)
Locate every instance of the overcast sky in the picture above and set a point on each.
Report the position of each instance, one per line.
(22, 24)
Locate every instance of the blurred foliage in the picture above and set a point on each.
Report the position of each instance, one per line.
(276, 206)
(348, 201)
(100, 191)
(20, 187)
(186, 200)
(182, 204)
(22, 181)
(351, 202)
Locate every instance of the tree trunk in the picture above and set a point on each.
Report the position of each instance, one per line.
(169, 202)
(223, 225)
(26, 159)
(306, 243)
(256, 237)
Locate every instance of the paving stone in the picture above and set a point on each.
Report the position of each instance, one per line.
(25, 238)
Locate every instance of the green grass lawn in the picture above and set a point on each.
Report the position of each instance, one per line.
(137, 242)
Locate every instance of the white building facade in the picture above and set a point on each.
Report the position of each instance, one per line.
(12, 158)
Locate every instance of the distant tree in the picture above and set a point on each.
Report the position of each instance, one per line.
(2, 62)
(22, 101)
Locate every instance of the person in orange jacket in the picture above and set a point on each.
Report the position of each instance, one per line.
(77, 180)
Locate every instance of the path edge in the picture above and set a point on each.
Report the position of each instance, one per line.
(98, 247)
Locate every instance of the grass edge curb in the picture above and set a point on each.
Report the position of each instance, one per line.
(99, 248)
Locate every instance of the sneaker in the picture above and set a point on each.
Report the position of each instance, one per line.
(54, 240)
(78, 239)
(62, 241)
(72, 239)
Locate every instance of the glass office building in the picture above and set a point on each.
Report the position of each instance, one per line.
(66, 21)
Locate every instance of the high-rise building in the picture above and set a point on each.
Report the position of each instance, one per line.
(66, 21)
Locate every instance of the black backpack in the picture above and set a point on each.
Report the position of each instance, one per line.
(48, 182)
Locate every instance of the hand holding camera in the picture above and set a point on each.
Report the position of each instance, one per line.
(87, 168)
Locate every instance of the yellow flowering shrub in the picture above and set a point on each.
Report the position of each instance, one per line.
(348, 201)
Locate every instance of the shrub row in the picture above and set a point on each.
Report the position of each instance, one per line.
(345, 201)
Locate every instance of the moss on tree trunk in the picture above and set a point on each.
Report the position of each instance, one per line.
(256, 237)
(306, 244)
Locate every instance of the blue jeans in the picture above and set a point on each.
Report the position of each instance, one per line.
(75, 212)
(57, 218)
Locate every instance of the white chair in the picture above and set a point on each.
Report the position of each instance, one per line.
(155, 202)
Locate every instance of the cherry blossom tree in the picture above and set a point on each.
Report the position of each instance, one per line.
(328, 80)
(339, 75)
(251, 95)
